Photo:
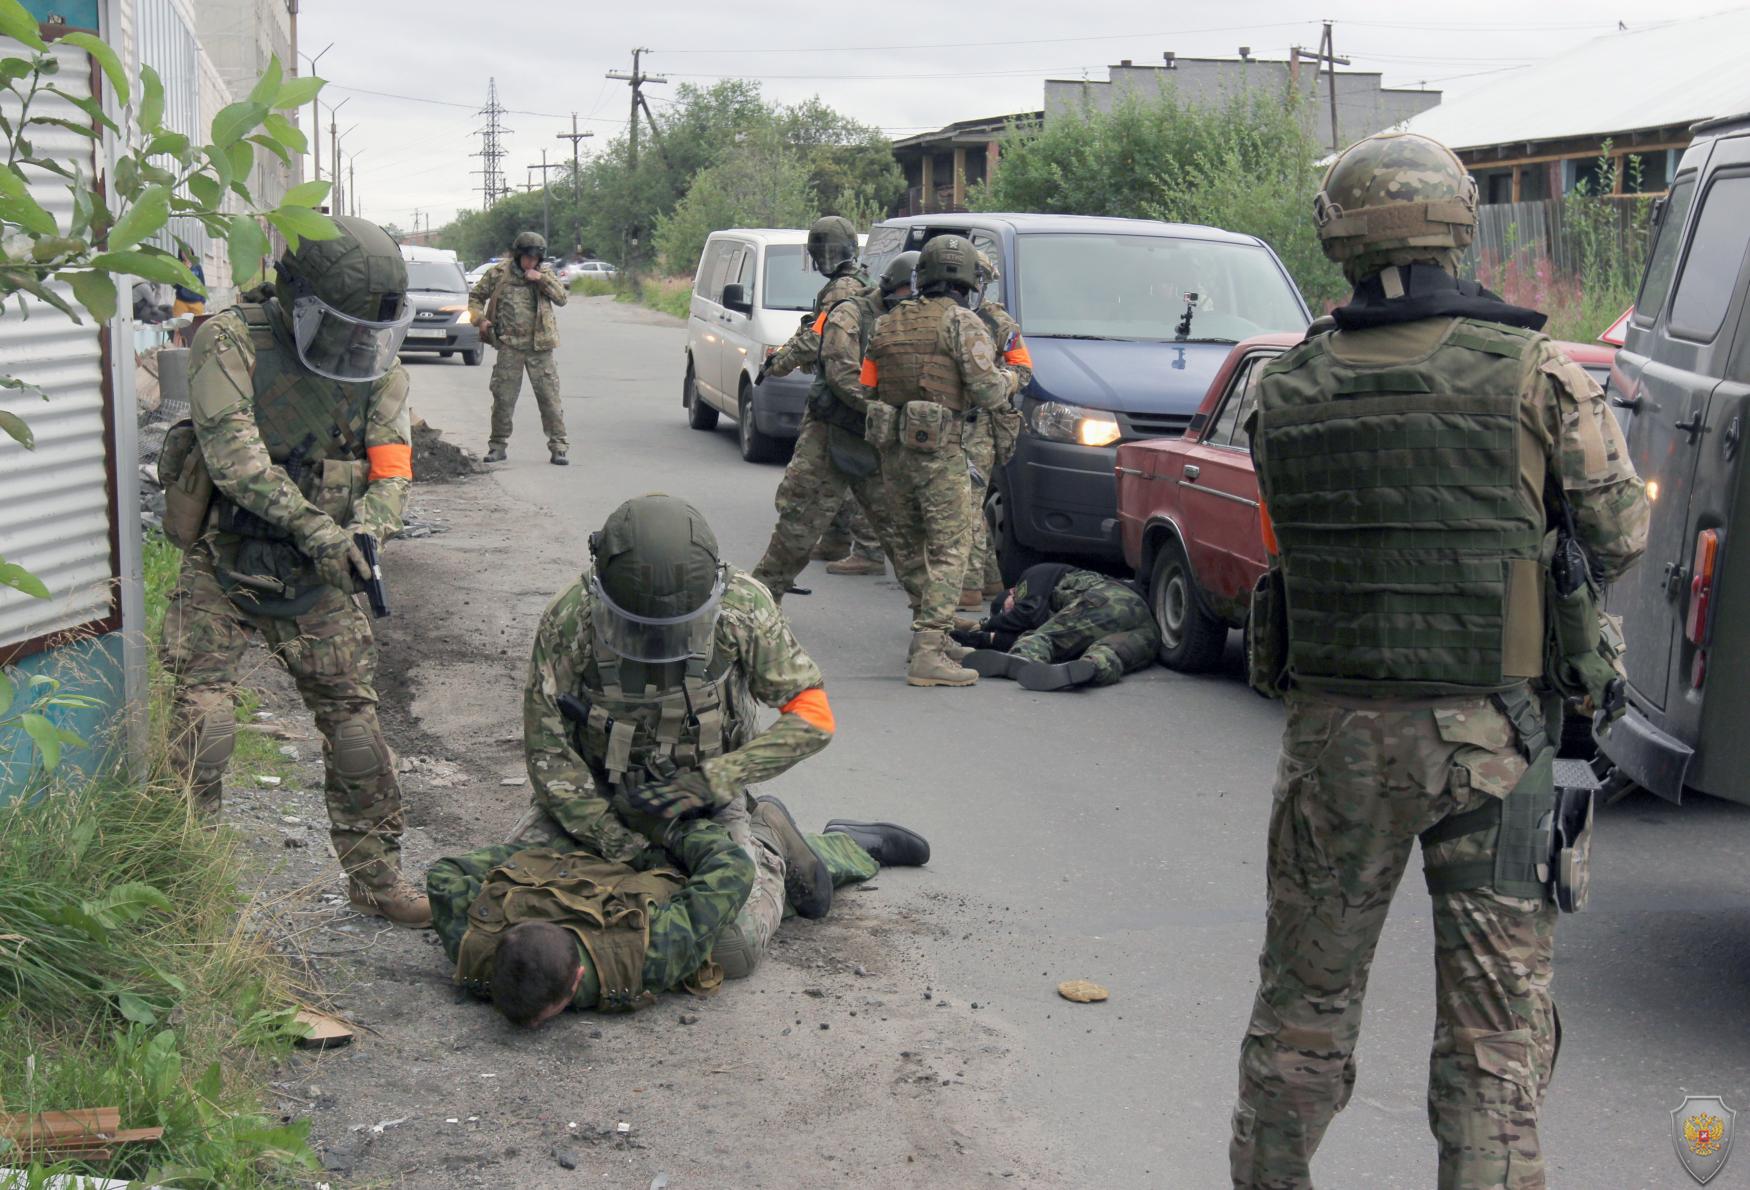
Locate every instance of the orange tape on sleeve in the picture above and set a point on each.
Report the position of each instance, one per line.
(1018, 355)
(869, 375)
(812, 707)
(394, 461)
(820, 323)
(1268, 529)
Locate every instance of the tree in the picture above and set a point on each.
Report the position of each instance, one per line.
(762, 184)
(157, 174)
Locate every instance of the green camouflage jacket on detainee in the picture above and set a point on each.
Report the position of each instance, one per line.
(222, 402)
(804, 346)
(682, 929)
(523, 318)
(765, 660)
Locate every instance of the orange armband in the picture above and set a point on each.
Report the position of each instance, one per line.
(812, 708)
(393, 461)
(869, 375)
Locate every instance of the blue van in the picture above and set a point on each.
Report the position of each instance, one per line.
(1127, 320)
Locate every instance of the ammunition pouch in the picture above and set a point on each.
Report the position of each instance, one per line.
(881, 425)
(850, 453)
(1267, 636)
(926, 426)
(336, 485)
(1583, 649)
(188, 486)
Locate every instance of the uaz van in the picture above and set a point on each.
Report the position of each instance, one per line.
(753, 287)
(1127, 320)
(1684, 371)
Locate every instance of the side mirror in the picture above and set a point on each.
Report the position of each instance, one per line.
(735, 298)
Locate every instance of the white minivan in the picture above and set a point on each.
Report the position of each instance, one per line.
(753, 288)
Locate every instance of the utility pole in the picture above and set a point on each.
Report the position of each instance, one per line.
(492, 151)
(334, 152)
(637, 79)
(546, 206)
(316, 116)
(574, 136)
(1326, 56)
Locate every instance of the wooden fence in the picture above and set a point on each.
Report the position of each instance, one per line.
(1547, 234)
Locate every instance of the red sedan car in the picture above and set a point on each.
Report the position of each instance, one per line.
(1188, 508)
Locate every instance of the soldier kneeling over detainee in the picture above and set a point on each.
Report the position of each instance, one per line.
(1060, 627)
(539, 931)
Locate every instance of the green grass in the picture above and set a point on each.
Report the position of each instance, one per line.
(592, 286)
(128, 977)
(671, 295)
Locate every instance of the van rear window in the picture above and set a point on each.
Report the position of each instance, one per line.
(1716, 257)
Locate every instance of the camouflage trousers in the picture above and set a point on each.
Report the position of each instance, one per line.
(1109, 625)
(742, 931)
(928, 490)
(507, 383)
(1357, 783)
(850, 534)
(809, 496)
(331, 655)
(982, 570)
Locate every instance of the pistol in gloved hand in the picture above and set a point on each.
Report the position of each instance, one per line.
(664, 792)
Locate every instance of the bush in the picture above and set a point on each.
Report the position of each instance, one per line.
(671, 295)
(592, 286)
(763, 183)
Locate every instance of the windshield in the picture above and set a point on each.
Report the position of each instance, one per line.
(1133, 287)
(435, 276)
(790, 283)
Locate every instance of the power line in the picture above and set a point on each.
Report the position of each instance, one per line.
(509, 111)
(964, 45)
(492, 151)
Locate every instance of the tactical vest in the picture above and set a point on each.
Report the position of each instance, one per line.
(314, 428)
(1409, 545)
(710, 713)
(911, 355)
(605, 906)
(823, 400)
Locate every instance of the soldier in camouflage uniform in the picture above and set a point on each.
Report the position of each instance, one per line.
(512, 304)
(831, 459)
(300, 414)
(1061, 627)
(931, 362)
(641, 704)
(992, 440)
(673, 922)
(1405, 461)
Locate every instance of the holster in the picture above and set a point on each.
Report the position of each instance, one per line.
(188, 486)
(1267, 640)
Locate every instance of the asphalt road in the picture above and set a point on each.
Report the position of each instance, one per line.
(1118, 835)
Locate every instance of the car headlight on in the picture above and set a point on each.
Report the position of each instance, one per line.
(461, 312)
(1060, 421)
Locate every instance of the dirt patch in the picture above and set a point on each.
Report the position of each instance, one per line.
(437, 461)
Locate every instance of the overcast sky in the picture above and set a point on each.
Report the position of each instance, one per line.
(892, 64)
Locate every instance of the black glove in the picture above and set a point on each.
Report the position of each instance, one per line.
(686, 795)
(972, 638)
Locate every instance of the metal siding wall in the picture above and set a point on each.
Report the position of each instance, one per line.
(56, 500)
(168, 45)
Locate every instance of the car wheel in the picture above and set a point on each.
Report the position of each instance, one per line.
(1013, 558)
(471, 357)
(699, 415)
(1192, 640)
(755, 446)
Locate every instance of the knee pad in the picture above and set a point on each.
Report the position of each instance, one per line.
(206, 732)
(735, 951)
(358, 751)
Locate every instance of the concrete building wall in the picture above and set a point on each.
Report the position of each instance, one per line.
(241, 37)
(1363, 106)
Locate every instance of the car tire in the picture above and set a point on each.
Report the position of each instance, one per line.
(471, 357)
(755, 446)
(1013, 558)
(700, 416)
(1192, 641)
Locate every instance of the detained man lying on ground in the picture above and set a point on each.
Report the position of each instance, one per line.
(1060, 627)
(538, 930)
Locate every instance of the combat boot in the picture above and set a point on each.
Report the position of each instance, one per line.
(971, 597)
(994, 663)
(1038, 675)
(888, 843)
(397, 901)
(857, 564)
(558, 459)
(830, 549)
(930, 666)
(494, 452)
(955, 651)
(807, 882)
(992, 590)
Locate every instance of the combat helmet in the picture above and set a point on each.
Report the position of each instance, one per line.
(346, 298)
(832, 244)
(1393, 198)
(528, 241)
(896, 276)
(656, 581)
(987, 268)
(947, 261)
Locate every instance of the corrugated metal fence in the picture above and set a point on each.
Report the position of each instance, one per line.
(1540, 235)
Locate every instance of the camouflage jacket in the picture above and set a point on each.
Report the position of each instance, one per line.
(804, 346)
(844, 327)
(222, 401)
(682, 929)
(523, 316)
(1005, 332)
(766, 660)
(961, 337)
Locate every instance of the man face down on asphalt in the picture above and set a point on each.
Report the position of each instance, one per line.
(1404, 459)
(1060, 627)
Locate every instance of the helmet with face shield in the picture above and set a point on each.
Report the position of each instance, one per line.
(656, 583)
(346, 298)
(832, 244)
